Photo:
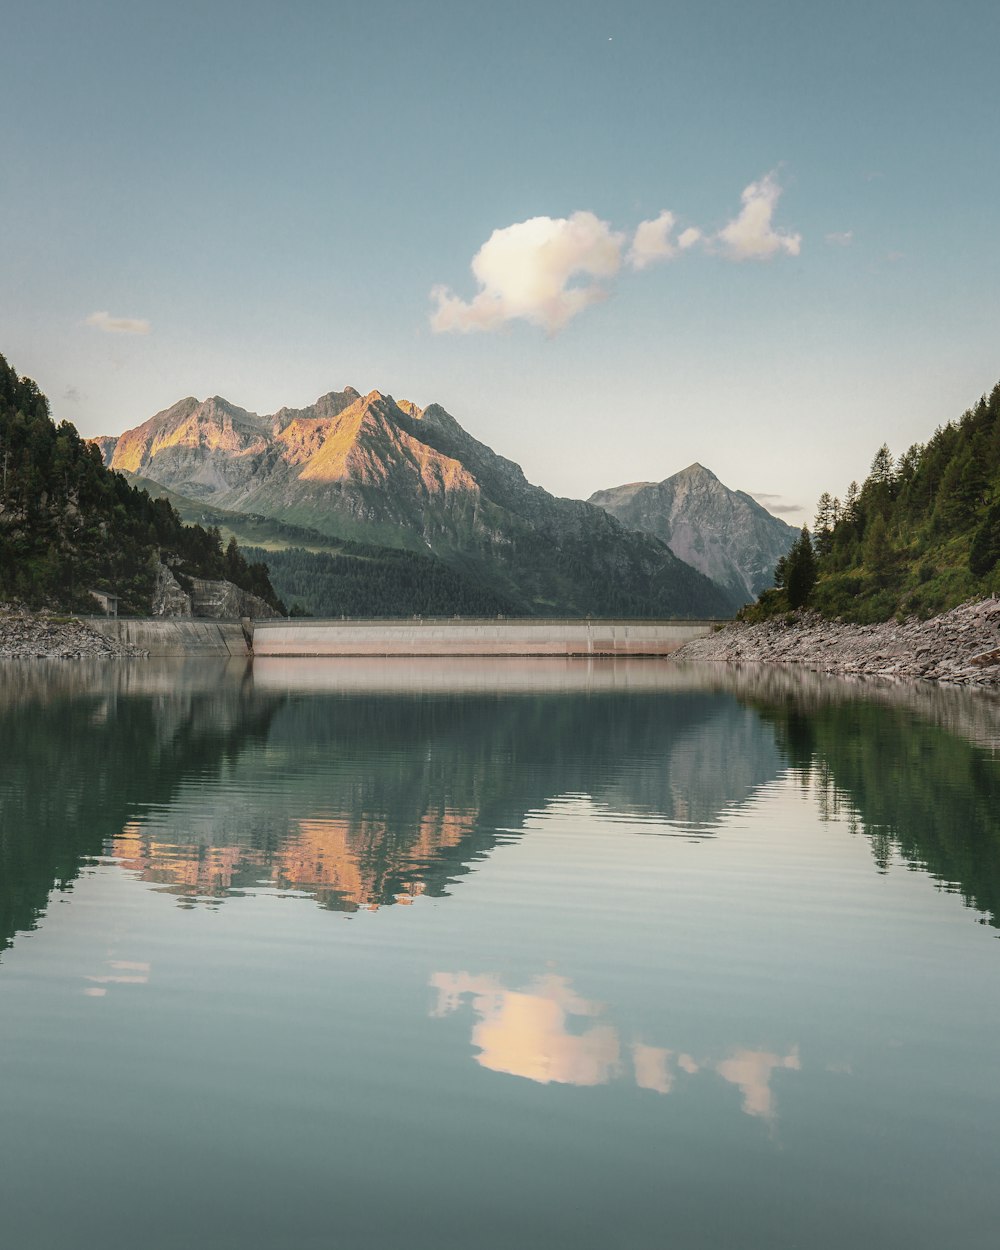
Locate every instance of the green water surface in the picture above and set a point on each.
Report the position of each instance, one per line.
(490, 954)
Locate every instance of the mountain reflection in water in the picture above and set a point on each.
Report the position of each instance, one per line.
(675, 969)
(363, 784)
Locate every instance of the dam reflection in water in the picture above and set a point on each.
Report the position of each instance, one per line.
(661, 924)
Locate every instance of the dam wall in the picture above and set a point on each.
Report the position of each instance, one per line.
(176, 636)
(532, 636)
(529, 636)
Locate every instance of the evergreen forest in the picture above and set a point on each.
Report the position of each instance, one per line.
(920, 535)
(361, 581)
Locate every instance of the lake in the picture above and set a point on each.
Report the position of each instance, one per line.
(484, 954)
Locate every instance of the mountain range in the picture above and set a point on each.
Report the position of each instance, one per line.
(367, 469)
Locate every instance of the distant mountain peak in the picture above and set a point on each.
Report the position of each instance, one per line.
(697, 470)
(721, 532)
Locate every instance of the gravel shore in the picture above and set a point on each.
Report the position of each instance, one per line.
(28, 635)
(961, 647)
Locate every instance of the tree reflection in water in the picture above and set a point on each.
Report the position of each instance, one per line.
(368, 785)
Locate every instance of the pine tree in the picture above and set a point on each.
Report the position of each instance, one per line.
(800, 571)
(826, 519)
(985, 552)
(877, 549)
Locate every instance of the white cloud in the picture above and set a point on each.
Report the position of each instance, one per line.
(840, 238)
(751, 236)
(117, 325)
(652, 241)
(547, 270)
(525, 271)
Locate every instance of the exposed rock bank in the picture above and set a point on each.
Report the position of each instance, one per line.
(961, 646)
(28, 635)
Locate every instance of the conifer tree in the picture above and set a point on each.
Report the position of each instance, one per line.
(985, 552)
(826, 519)
(800, 571)
(877, 549)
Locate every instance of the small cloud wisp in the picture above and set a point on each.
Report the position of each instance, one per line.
(750, 235)
(652, 241)
(773, 503)
(117, 325)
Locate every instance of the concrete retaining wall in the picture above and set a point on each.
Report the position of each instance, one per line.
(461, 637)
(178, 636)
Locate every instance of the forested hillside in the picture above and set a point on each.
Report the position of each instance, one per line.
(378, 582)
(920, 535)
(69, 526)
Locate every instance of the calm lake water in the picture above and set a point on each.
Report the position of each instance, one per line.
(501, 954)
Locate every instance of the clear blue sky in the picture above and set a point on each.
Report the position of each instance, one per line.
(261, 198)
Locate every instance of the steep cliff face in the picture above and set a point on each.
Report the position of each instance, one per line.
(169, 597)
(724, 533)
(206, 598)
(367, 468)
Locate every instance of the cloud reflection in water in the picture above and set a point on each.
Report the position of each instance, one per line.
(532, 1033)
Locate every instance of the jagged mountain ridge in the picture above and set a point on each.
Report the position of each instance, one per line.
(366, 468)
(724, 533)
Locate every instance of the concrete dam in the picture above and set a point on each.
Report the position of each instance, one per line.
(529, 636)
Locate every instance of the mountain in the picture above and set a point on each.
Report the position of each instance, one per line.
(368, 469)
(724, 533)
(69, 527)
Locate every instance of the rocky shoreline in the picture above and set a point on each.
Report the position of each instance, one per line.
(28, 635)
(960, 647)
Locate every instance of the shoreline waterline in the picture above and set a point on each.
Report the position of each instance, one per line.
(959, 647)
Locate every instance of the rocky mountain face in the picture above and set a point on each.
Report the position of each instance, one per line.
(724, 533)
(208, 598)
(366, 468)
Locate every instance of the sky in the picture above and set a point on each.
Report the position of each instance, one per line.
(610, 238)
